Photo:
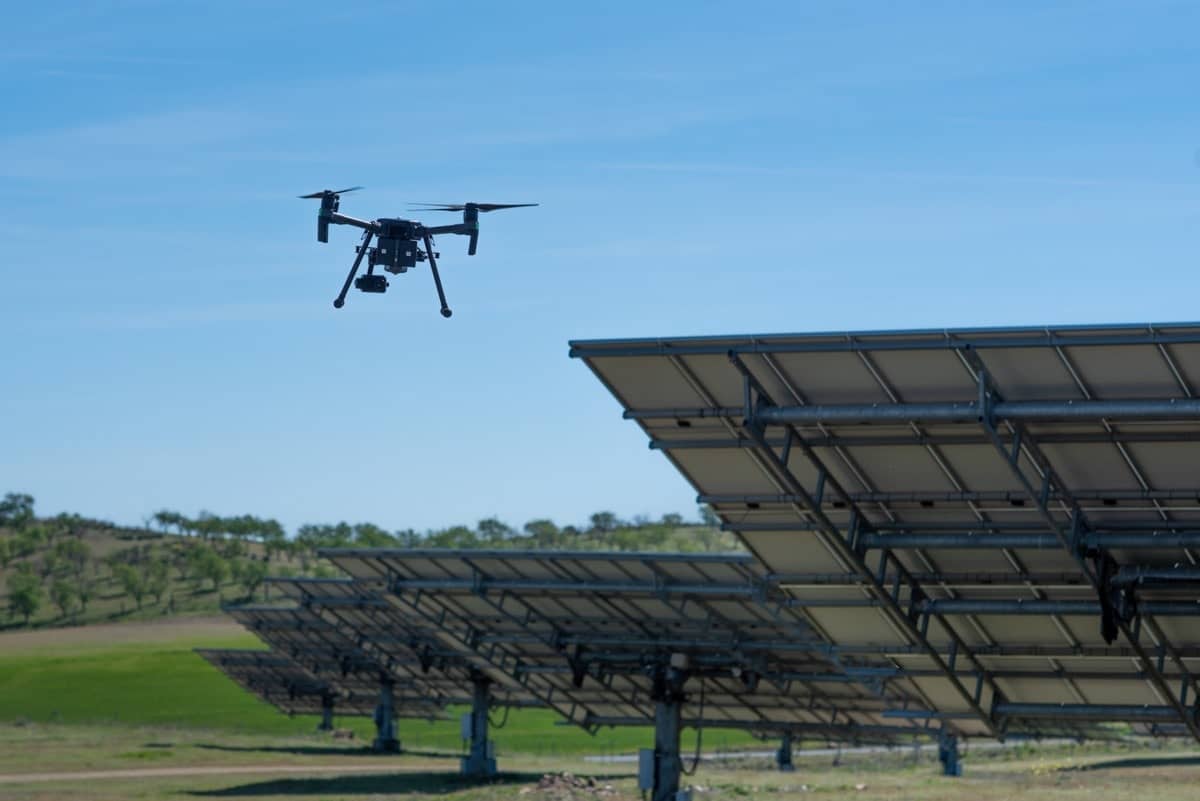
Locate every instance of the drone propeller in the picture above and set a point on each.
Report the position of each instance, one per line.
(324, 193)
(465, 206)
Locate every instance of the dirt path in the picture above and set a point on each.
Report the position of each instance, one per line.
(141, 631)
(208, 770)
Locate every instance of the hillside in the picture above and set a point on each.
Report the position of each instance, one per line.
(72, 570)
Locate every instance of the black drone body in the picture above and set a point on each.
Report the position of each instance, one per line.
(399, 244)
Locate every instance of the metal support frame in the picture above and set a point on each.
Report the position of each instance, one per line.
(326, 712)
(479, 762)
(948, 754)
(1124, 622)
(783, 755)
(386, 741)
(668, 727)
(757, 400)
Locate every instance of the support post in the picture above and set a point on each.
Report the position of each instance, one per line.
(386, 741)
(479, 762)
(326, 713)
(663, 774)
(783, 757)
(948, 754)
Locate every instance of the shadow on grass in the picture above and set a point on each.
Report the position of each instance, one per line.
(1140, 762)
(374, 784)
(324, 750)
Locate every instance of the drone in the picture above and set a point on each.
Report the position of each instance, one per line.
(398, 242)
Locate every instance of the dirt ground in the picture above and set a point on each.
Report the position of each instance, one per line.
(216, 627)
(39, 763)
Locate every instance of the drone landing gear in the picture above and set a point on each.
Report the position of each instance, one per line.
(340, 300)
(437, 279)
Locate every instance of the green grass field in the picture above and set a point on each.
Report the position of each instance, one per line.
(135, 698)
(163, 683)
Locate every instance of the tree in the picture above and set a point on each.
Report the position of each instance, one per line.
(6, 551)
(250, 574)
(273, 537)
(50, 564)
(84, 589)
(165, 518)
(74, 554)
(16, 510)
(28, 540)
(369, 535)
(672, 520)
(493, 531)
(211, 566)
(708, 517)
(24, 595)
(157, 579)
(63, 594)
(132, 582)
(604, 522)
(544, 532)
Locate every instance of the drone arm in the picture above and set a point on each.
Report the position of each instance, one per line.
(342, 219)
(340, 300)
(454, 228)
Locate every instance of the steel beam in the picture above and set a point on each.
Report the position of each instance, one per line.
(1113, 712)
(874, 341)
(982, 538)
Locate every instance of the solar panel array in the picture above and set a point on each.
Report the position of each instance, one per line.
(1005, 523)
(588, 634)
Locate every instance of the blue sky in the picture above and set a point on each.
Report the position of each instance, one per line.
(703, 168)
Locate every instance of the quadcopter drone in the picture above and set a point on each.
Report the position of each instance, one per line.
(398, 242)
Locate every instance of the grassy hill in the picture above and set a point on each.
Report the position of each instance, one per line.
(70, 570)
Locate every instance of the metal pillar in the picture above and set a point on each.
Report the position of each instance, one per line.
(326, 713)
(479, 762)
(386, 741)
(783, 757)
(948, 754)
(661, 768)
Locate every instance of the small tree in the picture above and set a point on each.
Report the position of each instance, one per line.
(6, 551)
(158, 579)
(16, 510)
(250, 574)
(132, 582)
(544, 532)
(493, 531)
(50, 564)
(273, 537)
(212, 567)
(708, 517)
(74, 554)
(672, 520)
(63, 594)
(24, 595)
(84, 588)
(604, 522)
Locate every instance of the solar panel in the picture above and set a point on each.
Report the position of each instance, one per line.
(285, 685)
(390, 639)
(332, 654)
(1008, 520)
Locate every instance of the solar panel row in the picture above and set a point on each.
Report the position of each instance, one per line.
(1006, 519)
